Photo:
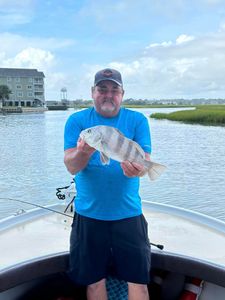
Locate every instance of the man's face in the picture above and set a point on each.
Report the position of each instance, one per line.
(107, 96)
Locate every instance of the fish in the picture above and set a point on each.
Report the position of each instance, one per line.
(112, 144)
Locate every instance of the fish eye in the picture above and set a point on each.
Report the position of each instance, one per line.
(89, 131)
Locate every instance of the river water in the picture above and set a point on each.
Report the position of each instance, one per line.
(31, 162)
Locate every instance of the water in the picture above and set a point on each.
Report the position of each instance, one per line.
(31, 162)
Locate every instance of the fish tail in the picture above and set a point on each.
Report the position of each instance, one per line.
(155, 170)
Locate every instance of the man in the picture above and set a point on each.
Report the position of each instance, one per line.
(108, 226)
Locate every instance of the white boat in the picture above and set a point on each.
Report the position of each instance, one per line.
(34, 255)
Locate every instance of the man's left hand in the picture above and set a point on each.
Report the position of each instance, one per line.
(132, 169)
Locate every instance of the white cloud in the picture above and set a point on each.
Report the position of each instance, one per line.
(14, 43)
(31, 58)
(183, 38)
(14, 19)
(18, 51)
(163, 44)
(188, 67)
(16, 12)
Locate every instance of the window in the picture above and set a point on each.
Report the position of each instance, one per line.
(38, 94)
(38, 79)
(19, 94)
(19, 87)
(17, 79)
(29, 87)
(9, 79)
(30, 79)
(38, 86)
(30, 94)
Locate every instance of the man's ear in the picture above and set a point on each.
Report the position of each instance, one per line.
(92, 90)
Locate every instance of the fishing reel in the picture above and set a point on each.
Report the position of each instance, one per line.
(66, 192)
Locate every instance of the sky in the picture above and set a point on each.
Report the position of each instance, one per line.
(164, 49)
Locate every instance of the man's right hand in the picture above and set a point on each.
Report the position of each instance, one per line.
(84, 147)
(77, 158)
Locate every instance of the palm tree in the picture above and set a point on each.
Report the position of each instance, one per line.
(4, 93)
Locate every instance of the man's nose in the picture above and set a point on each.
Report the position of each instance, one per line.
(109, 93)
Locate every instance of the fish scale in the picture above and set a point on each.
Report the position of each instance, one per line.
(120, 143)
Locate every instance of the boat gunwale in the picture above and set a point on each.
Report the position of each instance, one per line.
(187, 214)
(29, 215)
(40, 267)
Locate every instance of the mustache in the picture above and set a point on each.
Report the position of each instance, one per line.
(108, 101)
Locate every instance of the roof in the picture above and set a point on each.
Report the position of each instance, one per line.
(10, 72)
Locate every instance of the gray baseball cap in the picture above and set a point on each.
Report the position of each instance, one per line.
(108, 74)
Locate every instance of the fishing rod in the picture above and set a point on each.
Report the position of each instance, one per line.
(159, 246)
(39, 206)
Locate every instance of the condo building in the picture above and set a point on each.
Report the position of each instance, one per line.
(26, 86)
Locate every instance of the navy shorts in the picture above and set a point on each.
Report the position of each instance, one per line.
(97, 247)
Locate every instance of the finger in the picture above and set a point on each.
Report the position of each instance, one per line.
(134, 167)
(139, 167)
(127, 166)
(129, 170)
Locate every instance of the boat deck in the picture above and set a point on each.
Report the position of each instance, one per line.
(40, 233)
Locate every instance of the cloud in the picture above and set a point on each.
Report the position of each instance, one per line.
(184, 38)
(14, 43)
(119, 16)
(187, 67)
(31, 58)
(182, 65)
(212, 2)
(16, 12)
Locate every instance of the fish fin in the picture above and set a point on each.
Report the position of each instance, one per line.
(155, 170)
(104, 158)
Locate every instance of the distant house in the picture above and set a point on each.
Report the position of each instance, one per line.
(26, 85)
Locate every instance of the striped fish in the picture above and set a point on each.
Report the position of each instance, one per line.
(111, 143)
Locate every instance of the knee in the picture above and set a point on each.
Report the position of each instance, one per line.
(139, 290)
(96, 286)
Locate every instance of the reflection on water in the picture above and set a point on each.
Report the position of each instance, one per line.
(31, 160)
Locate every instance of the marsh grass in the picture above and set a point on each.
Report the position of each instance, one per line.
(203, 114)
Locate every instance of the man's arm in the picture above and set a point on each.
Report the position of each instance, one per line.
(77, 158)
(134, 169)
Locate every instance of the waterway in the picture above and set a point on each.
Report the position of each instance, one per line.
(31, 162)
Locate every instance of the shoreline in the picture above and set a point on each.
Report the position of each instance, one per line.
(208, 115)
(19, 110)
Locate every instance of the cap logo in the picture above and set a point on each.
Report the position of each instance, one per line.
(107, 73)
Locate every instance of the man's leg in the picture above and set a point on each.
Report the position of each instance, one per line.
(137, 291)
(132, 255)
(97, 291)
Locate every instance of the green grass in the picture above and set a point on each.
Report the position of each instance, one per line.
(154, 106)
(203, 114)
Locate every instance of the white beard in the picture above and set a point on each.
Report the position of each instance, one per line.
(108, 107)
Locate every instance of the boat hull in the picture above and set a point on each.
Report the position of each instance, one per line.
(37, 277)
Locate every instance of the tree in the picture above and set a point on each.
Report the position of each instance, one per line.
(4, 93)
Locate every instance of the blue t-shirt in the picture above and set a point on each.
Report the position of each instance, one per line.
(103, 191)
